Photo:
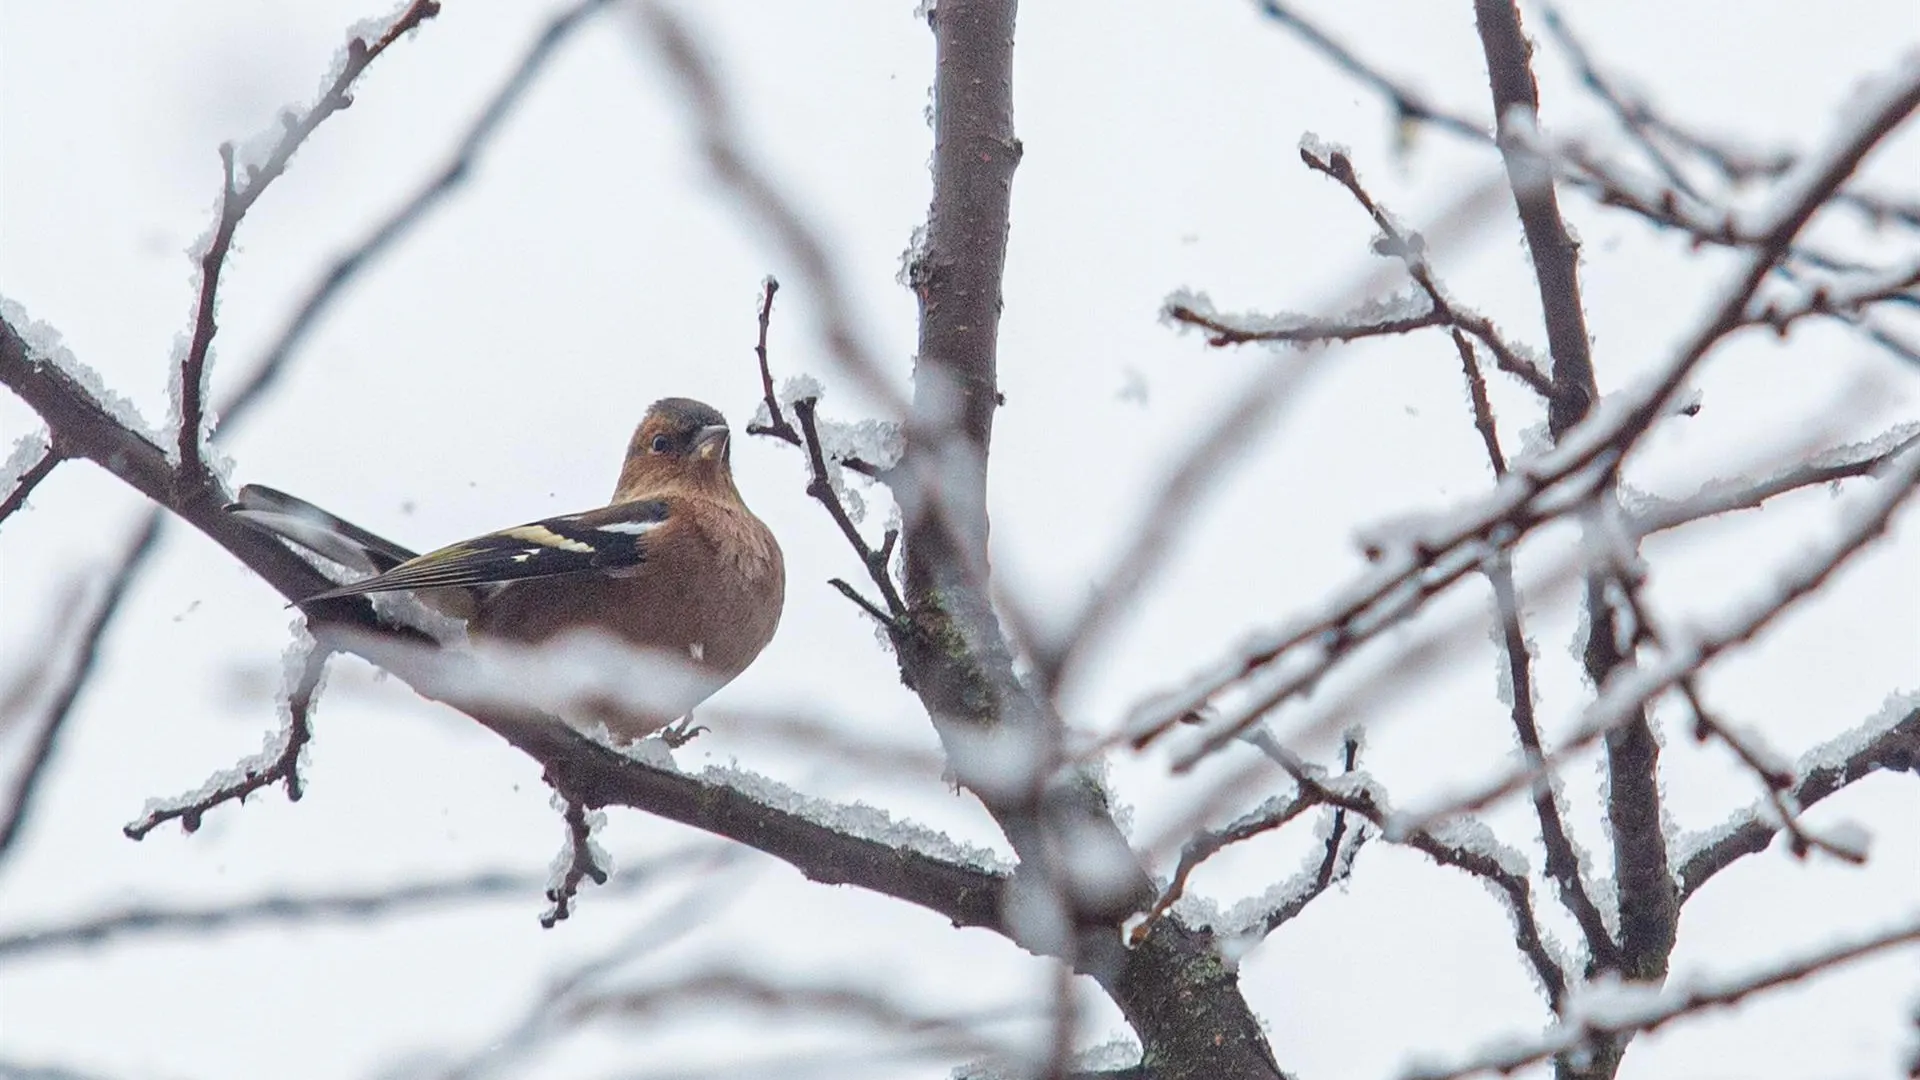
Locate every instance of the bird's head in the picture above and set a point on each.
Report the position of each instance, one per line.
(680, 444)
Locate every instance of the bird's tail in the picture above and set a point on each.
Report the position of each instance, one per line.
(300, 522)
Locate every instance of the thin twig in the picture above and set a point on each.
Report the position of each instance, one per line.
(236, 198)
(1512, 885)
(821, 488)
(1411, 249)
(280, 766)
(1657, 1008)
(582, 864)
(1718, 499)
(80, 667)
(1408, 106)
(354, 906)
(1223, 330)
(1824, 771)
(776, 424)
(1543, 489)
(409, 214)
(1633, 688)
(1563, 862)
(29, 480)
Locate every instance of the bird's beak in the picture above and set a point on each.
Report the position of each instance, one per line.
(711, 441)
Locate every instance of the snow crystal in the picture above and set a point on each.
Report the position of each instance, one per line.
(797, 388)
(1472, 835)
(1190, 299)
(1880, 445)
(368, 30)
(916, 249)
(879, 443)
(562, 864)
(272, 746)
(46, 347)
(1118, 1052)
(1315, 146)
(27, 453)
(858, 819)
(1835, 752)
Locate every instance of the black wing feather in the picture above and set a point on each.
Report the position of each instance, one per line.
(605, 540)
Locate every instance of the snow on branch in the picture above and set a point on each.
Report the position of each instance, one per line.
(245, 176)
(1888, 740)
(1687, 653)
(277, 762)
(1603, 1011)
(1537, 490)
(402, 220)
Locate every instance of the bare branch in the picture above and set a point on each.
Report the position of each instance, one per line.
(1719, 498)
(1823, 772)
(1618, 1012)
(1408, 106)
(581, 860)
(1556, 261)
(279, 763)
(1538, 490)
(1466, 851)
(1271, 815)
(1632, 688)
(1411, 249)
(142, 920)
(30, 478)
(237, 196)
(1199, 469)
(415, 210)
(776, 424)
(821, 488)
(1303, 330)
(79, 668)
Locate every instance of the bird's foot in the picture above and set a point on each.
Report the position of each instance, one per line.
(681, 732)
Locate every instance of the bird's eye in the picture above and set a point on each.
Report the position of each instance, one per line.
(661, 444)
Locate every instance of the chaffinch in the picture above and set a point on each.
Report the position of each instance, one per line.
(676, 563)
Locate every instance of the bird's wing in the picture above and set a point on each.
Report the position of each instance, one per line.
(607, 540)
(305, 524)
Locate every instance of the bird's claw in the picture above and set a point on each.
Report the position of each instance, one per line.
(681, 732)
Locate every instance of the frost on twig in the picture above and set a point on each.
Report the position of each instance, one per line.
(278, 761)
(858, 820)
(582, 859)
(246, 172)
(33, 459)
(44, 346)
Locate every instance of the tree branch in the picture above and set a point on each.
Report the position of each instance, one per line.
(1621, 1015)
(1823, 772)
(415, 210)
(594, 774)
(30, 478)
(85, 651)
(237, 197)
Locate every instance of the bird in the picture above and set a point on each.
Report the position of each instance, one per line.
(674, 564)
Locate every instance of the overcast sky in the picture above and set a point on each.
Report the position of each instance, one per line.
(489, 371)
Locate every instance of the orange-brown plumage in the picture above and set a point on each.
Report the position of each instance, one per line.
(676, 564)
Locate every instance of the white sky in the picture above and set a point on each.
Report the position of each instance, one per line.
(489, 371)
